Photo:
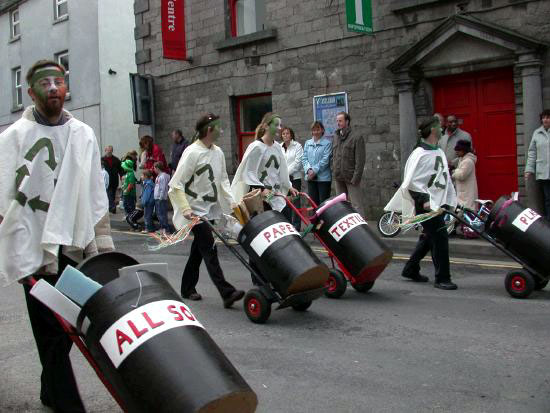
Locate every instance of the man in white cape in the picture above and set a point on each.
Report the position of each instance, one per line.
(427, 187)
(53, 210)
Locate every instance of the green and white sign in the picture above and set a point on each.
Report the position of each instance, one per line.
(359, 16)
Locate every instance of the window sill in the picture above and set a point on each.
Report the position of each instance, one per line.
(16, 109)
(246, 39)
(61, 19)
(14, 39)
(411, 5)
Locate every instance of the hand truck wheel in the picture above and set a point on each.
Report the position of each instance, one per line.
(519, 283)
(256, 306)
(336, 284)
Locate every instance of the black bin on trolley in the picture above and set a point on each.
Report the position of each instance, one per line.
(526, 235)
(281, 255)
(345, 232)
(156, 354)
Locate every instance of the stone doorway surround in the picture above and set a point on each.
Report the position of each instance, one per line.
(460, 44)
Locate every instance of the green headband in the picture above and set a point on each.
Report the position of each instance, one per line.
(40, 74)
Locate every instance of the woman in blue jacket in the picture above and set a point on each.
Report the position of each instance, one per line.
(316, 163)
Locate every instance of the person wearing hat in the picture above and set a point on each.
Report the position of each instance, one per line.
(465, 174)
(129, 187)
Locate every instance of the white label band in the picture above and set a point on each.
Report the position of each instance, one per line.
(271, 234)
(143, 323)
(345, 225)
(524, 220)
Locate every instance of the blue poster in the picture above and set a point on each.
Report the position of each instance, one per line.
(326, 107)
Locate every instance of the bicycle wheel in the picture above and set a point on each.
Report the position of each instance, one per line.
(388, 224)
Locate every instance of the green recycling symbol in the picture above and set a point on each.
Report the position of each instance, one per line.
(34, 203)
(200, 171)
(272, 159)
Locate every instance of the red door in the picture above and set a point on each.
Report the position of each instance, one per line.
(485, 102)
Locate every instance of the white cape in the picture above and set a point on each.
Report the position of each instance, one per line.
(263, 166)
(51, 193)
(426, 171)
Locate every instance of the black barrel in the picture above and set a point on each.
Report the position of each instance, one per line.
(352, 242)
(281, 254)
(156, 354)
(521, 231)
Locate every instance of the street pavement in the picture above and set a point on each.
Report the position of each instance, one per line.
(402, 347)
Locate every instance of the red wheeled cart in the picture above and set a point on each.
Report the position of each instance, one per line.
(361, 256)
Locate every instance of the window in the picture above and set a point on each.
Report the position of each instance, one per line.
(17, 88)
(247, 16)
(61, 9)
(15, 30)
(249, 112)
(63, 59)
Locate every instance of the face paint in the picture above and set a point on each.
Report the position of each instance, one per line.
(48, 91)
(437, 127)
(275, 127)
(216, 129)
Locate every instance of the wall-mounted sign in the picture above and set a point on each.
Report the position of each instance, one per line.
(173, 29)
(359, 16)
(326, 107)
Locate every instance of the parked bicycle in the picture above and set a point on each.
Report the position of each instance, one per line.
(389, 224)
(476, 219)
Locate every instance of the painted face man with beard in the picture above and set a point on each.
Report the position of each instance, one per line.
(54, 207)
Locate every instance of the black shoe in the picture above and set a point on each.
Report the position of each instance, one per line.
(445, 285)
(419, 278)
(193, 296)
(112, 210)
(235, 296)
(46, 402)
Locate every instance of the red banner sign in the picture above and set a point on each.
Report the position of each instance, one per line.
(173, 29)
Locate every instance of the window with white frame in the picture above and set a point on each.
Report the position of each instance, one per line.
(247, 16)
(63, 59)
(17, 88)
(15, 29)
(61, 9)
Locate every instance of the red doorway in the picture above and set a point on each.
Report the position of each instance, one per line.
(485, 102)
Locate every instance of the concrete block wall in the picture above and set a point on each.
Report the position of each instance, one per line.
(312, 54)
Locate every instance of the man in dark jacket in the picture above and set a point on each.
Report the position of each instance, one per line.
(178, 146)
(112, 166)
(348, 161)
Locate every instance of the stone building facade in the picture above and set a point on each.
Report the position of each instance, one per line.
(421, 54)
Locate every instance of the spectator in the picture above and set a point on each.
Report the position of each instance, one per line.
(348, 160)
(161, 197)
(148, 199)
(453, 134)
(129, 187)
(151, 153)
(293, 153)
(538, 159)
(316, 163)
(112, 166)
(465, 175)
(179, 143)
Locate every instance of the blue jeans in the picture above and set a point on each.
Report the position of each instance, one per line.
(161, 206)
(148, 210)
(129, 203)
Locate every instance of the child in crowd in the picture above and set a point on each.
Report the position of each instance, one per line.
(161, 196)
(105, 175)
(148, 199)
(129, 187)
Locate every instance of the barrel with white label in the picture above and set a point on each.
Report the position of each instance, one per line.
(281, 254)
(522, 231)
(156, 354)
(353, 243)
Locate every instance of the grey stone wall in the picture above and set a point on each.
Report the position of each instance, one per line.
(312, 54)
